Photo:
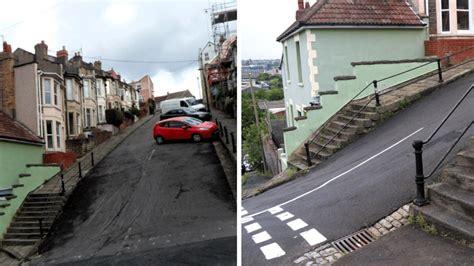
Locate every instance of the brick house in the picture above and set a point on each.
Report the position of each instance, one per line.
(145, 88)
(451, 27)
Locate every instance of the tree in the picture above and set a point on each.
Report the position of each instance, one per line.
(114, 117)
(263, 77)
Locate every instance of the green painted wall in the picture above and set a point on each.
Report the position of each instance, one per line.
(13, 160)
(335, 50)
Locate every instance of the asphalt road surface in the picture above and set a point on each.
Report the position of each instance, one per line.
(359, 185)
(146, 204)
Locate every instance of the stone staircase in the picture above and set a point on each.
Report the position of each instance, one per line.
(451, 207)
(24, 229)
(362, 122)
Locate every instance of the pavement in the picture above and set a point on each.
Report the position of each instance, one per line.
(359, 185)
(231, 125)
(148, 204)
(410, 245)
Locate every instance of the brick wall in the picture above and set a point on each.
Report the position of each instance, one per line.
(64, 159)
(444, 47)
(7, 80)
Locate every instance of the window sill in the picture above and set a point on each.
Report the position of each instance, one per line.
(301, 84)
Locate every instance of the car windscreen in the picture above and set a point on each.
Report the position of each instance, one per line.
(191, 102)
(192, 121)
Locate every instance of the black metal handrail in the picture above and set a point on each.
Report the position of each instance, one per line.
(420, 177)
(309, 157)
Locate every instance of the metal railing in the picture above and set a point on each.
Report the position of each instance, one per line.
(224, 136)
(376, 96)
(84, 164)
(420, 199)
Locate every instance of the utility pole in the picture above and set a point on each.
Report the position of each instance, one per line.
(257, 123)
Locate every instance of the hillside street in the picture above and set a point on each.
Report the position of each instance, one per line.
(144, 203)
(360, 184)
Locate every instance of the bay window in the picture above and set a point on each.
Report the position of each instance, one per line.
(47, 91)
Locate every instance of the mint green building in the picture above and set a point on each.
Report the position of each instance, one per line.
(21, 168)
(332, 38)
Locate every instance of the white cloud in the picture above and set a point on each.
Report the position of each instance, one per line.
(120, 13)
(165, 81)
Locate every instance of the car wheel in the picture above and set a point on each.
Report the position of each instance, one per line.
(159, 140)
(197, 138)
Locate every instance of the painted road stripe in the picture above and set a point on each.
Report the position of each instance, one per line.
(261, 237)
(274, 210)
(243, 213)
(246, 219)
(338, 176)
(252, 227)
(313, 237)
(297, 224)
(285, 216)
(272, 251)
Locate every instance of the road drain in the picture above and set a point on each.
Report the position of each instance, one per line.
(353, 242)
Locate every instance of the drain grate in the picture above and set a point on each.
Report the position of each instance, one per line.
(354, 241)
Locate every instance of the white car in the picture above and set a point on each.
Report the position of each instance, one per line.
(173, 104)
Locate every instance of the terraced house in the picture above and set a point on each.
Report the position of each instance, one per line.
(328, 57)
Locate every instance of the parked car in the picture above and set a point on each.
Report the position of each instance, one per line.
(172, 104)
(182, 128)
(206, 116)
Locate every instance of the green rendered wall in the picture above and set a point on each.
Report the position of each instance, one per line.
(335, 50)
(13, 160)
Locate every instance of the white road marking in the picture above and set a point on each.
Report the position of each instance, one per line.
(151, 155)
(285, 216)
(313, 237)
(275, 209)
(272, 251)
(338, 176)
(243, 213)
(252, 227)
(246, 219)
(261, 237)
(297, 224)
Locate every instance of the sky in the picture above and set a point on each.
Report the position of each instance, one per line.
(140, 30)
(260, 23)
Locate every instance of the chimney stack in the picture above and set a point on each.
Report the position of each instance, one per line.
(306, 5)
(62, 55)
(41, 51)
(7, 48)
(98, 64)
(300, 4)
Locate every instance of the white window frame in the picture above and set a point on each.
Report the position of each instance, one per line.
(469, 10)
(45, 102)
(58, 134)
(88, 118)
(441, 10)
(47, 134)
(69, 90)
(87, 89)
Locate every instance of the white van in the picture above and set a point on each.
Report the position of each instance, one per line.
(171, 104)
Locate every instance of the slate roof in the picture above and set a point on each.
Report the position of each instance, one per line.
(11, 129)
(356, 13)
(173, 95)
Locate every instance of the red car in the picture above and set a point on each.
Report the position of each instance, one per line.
(184, 127)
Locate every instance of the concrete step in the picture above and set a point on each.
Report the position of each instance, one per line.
(358, 106)
(319, 155)
(44, 199)
(348, 128)
(14, 230)
(329, 148)
(37, 213)
(459, 176)
(21, 218)
(58, 203)
(364, 114)
(301, 160)
(19, 242)
(44, 195)
(338, 141)
(29, 224)
(350, 136)
(465, 159)
(453, 198)
(46, 208)
(22, 236)
(447, 221)
(359, 122)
